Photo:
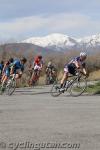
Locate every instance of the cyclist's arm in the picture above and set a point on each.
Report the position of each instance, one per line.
(84, 71)
(33, 65)
(76, 62)
(19, 75)
(84, 68)
(41, 65)
(4, 68)
(12, 69)
(47, 69)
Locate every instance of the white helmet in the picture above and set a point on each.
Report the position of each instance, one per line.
(49, 63)
(83, 54)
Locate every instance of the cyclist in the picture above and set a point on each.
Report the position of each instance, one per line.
(1, 68)
(17, 67)
(6, 70)
(72, 66)
(50, 67)
(51, 72)
(37, 67)
(38, 63)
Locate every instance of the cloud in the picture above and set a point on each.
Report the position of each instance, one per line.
(71, 23)
(11, 9)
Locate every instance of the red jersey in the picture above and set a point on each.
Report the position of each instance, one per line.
(38, 61)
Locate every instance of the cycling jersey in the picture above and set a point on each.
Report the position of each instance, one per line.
(6, 69)
(1, 67)
(50, 69)
(38, 61)
(71, 66)
(17, 65)
(78, 59)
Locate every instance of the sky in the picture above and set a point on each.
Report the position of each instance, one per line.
(22, 19)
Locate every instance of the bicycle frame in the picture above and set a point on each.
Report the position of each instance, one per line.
(70, 82)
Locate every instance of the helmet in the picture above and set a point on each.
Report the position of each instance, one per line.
(39, 56)
(49, 63)
(24, 59)
(83, 54)
(11, 60)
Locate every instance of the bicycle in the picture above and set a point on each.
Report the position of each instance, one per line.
(8, 87)
(77, 85)
(51, 77)
(35, 77)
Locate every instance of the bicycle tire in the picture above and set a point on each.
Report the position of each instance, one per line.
(2, 89)
(35, 80)
(78, 87)
(55, 89)
(11, 87)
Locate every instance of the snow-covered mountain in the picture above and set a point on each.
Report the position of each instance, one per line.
(90, 41)
(60, 42)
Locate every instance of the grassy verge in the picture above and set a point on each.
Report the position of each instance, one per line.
(95, 75)
(95, 89)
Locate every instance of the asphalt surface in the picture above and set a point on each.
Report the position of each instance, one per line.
(32, 116)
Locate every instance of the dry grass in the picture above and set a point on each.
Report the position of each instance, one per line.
(42, 80)
(95, 75)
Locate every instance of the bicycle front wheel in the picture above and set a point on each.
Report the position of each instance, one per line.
(11, 87)
(55, 90)
(78, 87)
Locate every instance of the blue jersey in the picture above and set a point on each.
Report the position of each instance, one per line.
(17, 65)
(1, 67)
(76, 59)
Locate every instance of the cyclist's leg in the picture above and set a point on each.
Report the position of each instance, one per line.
(36, 75)
(64, 78)
(18, 75)
(32, 77)
(5, 76)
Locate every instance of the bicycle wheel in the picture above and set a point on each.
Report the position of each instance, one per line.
(47, 81)
(2, 89)
(35, 80)
(11, 87)
(78, 86)
(55, 89)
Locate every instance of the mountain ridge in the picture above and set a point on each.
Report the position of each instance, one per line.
(59, 42)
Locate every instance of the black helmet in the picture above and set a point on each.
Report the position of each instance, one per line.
(23, 59)
(40, 56)
(11, 60)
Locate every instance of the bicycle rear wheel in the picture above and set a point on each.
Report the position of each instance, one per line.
(55, 90)
(2, 88)
(35, 80)
(78, 87)
(11, 87)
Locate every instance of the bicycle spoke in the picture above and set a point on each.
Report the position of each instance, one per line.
(78, 87)
(55, 91)
(11, 87)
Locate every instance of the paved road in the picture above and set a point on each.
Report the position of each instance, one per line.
(31, 117)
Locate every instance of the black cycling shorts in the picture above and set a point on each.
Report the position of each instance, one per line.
(72, 68)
